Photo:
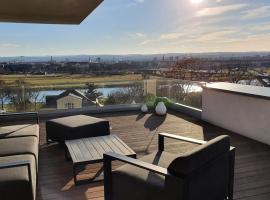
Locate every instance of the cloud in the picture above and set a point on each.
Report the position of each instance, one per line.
(163, 37)
(142, 35)
(137, 35)
(135, 3)
(213, 11)
(171, 36)
(260, 12)
(219, 35)
(146, 42)
(261, 27)
(9, 45)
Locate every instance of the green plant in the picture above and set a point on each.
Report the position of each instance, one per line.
(165, 100)
(150, 98)
(150, 105)
(193, 99)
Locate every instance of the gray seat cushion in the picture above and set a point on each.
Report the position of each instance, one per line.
(199, 156)
(77, 121)
(133, 183)
(14, 182)
(207, 169)
(76, 127)
(19, 146)
(19, 131)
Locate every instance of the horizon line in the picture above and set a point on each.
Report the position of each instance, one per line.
(135, 54)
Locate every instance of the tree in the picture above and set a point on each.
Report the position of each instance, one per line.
(180, 90)
(91, 92)
(35, 96)
(117, 97)
(21, 95)
(127, 95)
(4, 93)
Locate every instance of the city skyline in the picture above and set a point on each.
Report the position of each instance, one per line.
(148, 27)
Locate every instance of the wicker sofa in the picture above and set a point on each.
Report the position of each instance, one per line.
(18, 156)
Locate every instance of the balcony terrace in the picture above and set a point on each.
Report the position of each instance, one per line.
(252, 168)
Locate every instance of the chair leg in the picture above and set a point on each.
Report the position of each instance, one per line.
(107, 177)
(231, 174)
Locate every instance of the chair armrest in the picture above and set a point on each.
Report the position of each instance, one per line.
(23, 114)
(108, 157)
(14, 164)
(161, 137)
(19, 164)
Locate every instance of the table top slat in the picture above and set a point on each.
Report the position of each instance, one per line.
(113, 147)
(104, 145)
(91, 150)
(124, 144)
(84, 150)
(76, 153)
(97, 146)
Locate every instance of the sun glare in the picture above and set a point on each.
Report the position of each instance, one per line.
(196, 1)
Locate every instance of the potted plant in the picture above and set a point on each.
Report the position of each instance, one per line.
(148, 103)
(161, 104)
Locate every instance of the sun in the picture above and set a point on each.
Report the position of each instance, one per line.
(196, 1)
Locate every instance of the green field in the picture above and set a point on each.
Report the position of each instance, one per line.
(67, 81)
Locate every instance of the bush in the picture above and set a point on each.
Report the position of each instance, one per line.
(118, 97)
(165, 100)
(193, 99)
(150, 98)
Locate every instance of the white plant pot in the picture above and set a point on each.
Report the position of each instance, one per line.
(144, 108)
(161, 109)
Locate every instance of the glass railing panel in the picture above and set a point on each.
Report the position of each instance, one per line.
(183, 92)
(24, 97)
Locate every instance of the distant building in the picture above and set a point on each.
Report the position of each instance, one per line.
(68, 99)
(2, 111)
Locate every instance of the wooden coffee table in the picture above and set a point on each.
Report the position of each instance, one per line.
(90, 150)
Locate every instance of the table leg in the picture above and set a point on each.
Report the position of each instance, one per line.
(67, 155)
(75, 174)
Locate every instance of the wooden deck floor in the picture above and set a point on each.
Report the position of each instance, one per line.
(252, 175)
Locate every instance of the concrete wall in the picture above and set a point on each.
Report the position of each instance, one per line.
(242, 114)
(193, 112)
(76, 101)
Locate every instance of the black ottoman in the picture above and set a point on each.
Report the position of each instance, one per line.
(76, 127)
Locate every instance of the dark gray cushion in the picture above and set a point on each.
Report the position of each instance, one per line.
(14, 182)
(77, 121)
(76, 127)
(200, 156)
(19, 131)
(19, 146)
(134, 183)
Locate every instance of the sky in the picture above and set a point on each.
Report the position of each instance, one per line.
(148, 27)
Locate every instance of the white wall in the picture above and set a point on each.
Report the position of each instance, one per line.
(245, 115)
